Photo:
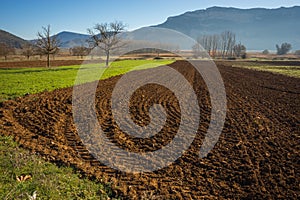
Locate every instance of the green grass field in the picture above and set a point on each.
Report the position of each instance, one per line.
(46, 179)
(19, 82)
(293, 71)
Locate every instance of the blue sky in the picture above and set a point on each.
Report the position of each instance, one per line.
(25, 18)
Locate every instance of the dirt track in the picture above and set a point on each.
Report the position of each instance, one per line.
(256, 157)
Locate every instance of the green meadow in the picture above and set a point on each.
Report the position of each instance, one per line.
(292, 71)
(22, 174)
(21, 81)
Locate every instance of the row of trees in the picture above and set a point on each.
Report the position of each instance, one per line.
(223, 45)
(6, 50)
(30, 50)
(80, 51)
(105, 36)
(283, 49)
(45, 45)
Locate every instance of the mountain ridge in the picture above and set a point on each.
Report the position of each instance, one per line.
(11, 40)
(70, 39)
(256, 28)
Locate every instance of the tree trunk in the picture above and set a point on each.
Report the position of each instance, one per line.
(48, 60)
(107, 58)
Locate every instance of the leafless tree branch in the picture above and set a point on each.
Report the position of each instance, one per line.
(107, 37)
(46, 44)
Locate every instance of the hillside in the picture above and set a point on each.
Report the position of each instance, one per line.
(71, 39)
(257, 28)
(11, 40)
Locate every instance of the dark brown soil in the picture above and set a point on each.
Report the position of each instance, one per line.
(256, 157)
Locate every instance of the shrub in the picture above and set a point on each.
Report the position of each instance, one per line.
(266, 51)
(283, 49)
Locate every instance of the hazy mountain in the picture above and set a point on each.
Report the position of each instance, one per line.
(71, 39)
(11, 40)
(257, 28)
(145, 34)
(159, 38)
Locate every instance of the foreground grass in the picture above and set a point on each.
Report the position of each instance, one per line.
(22, 81)
(43, 178)
(293, 71)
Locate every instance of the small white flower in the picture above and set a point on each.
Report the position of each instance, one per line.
(33, 196)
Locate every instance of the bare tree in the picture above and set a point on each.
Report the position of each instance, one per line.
(218, 44)
(223, 44)
(196, 50)
(239, 50)
(28, 50)
(227, 43)
(230, 43)
(79, 51)
(46, 44)
(107, 37)
(210, 43)
(5, 50)
(205, 42)
(215, 42)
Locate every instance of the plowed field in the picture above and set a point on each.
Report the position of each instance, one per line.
(256, 156)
